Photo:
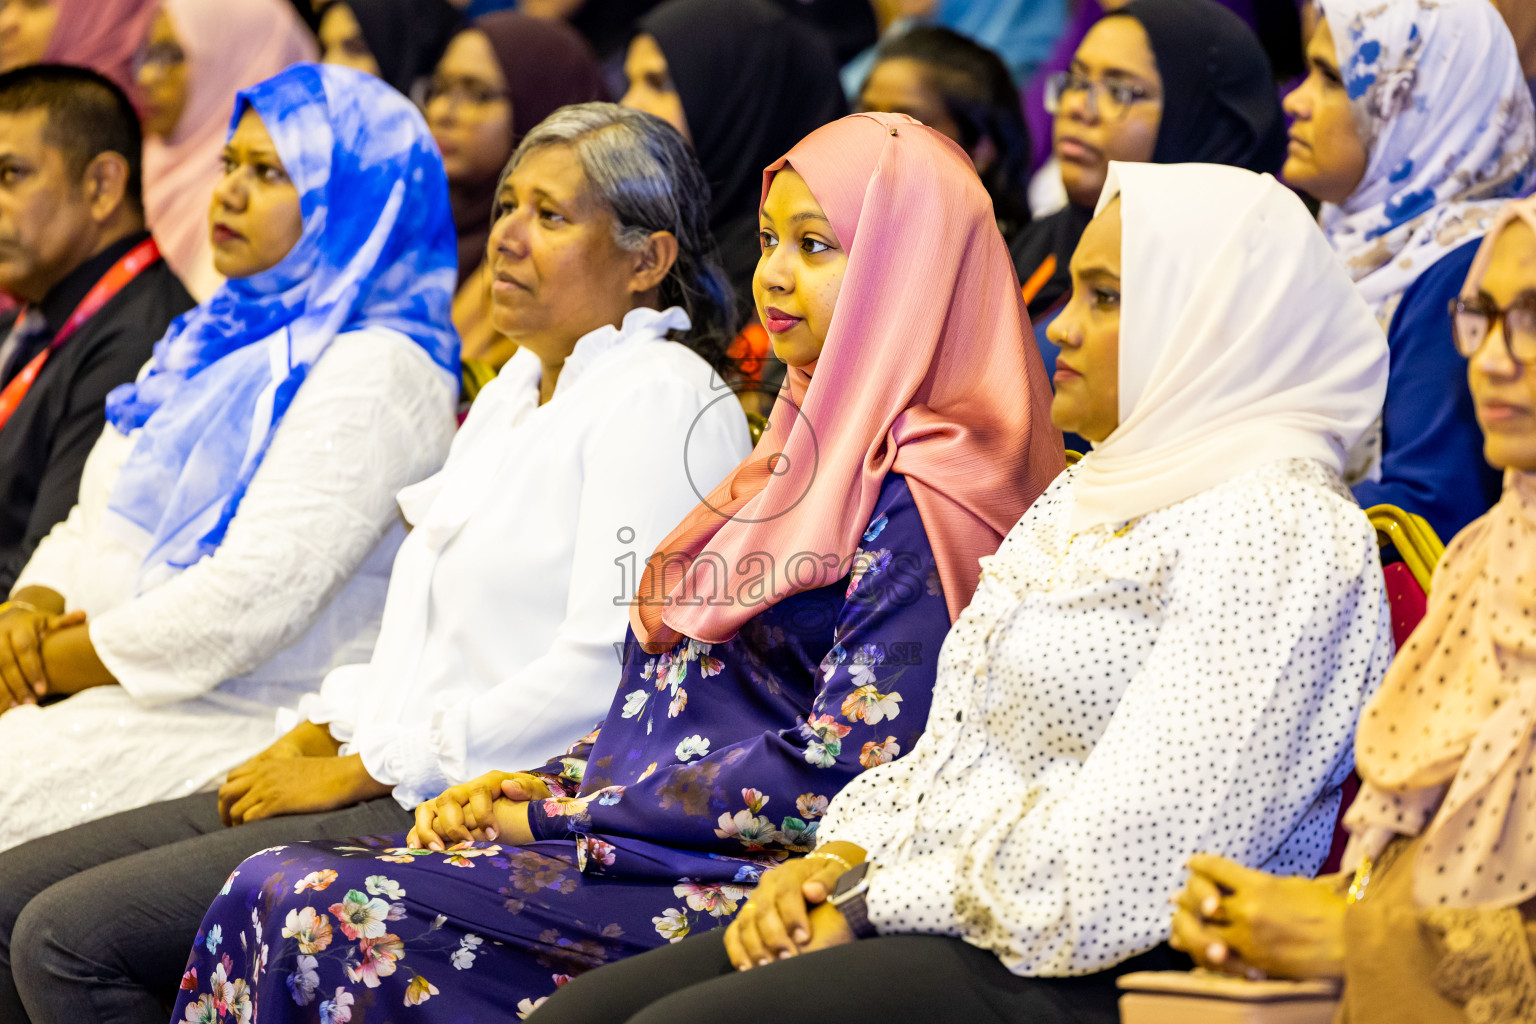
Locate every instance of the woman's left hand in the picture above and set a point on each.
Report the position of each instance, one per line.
(69, 658)
(826, 924)
(1244, 922)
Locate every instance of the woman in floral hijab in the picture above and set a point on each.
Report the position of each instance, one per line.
(1413, 126)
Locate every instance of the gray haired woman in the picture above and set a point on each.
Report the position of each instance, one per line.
(497, 643)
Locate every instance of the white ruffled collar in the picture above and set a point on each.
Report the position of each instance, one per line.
(642, 324)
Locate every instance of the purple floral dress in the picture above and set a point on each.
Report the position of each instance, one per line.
(715, 762)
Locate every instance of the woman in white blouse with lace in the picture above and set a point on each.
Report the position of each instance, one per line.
(236, 519)
(1167, 655)
(509, 598)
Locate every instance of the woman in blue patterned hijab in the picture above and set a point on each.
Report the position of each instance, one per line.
(237, 519)
(377, 249)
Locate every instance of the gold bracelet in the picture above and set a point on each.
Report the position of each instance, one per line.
(24, 605)
(822, 855)
(1359, 882)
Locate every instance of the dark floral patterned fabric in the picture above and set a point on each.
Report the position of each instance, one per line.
(715, 762)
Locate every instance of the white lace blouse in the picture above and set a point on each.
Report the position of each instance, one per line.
(1113, 702)
(297, 587)
(508, 599)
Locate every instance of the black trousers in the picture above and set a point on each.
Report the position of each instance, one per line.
(96, 921)
(924, 979)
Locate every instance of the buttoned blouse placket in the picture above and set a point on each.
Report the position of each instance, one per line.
(960, 744)
(972, 746)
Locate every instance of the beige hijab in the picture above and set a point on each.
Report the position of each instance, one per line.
(1447, 748)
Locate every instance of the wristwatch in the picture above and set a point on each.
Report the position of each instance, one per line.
(848, 897)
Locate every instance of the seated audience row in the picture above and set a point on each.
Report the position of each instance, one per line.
(578, 446)
(1408, 160)
(1092, 724)
(748, 685)
(279, 641)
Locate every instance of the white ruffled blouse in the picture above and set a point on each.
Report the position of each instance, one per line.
(508, 603)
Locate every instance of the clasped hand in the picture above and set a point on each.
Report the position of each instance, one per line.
(493, 806)
(788, 913)
(1238, 921)
(301, 773)
(23, 674)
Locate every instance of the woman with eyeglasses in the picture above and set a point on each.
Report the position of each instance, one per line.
(1414, 123)
(198, 55)
(497, 79)
(1432, 923)
(1161, 81)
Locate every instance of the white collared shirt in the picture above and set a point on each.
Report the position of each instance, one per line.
(507, 601)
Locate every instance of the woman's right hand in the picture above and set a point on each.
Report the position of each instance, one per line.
(775, 922)
(22, 626)
(22, 678)
(466, 812)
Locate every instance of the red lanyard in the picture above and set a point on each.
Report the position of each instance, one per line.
(139, 259)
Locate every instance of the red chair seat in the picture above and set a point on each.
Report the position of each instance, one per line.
(1407, 602)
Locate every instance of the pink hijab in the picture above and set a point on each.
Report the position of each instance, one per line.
(103, 35)
(229, 47)
(929, 370)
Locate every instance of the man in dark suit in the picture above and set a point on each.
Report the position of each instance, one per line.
(95, 296)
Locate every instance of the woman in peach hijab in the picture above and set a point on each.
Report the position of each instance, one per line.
(1434, 919)
(198, 55)
(785, 634)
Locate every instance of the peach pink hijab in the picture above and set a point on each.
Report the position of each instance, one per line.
(1447, 747)
(929, 370)
(103, 35)
(230, 46)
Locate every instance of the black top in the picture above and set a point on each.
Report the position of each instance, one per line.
(1040, 240)
(43, 447)
(848, 26)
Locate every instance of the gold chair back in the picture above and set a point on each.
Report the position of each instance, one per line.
(1413, 537)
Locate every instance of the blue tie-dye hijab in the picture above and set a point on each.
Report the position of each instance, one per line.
(377, 250)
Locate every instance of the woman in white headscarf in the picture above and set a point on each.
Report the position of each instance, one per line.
(1164, 655)
(1413, 126)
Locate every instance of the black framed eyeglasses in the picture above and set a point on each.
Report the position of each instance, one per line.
(1109, 97)
(1473, 319)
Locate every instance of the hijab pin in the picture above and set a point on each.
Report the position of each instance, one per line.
(893, 129)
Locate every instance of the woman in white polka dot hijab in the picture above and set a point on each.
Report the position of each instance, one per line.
(1167, 655)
